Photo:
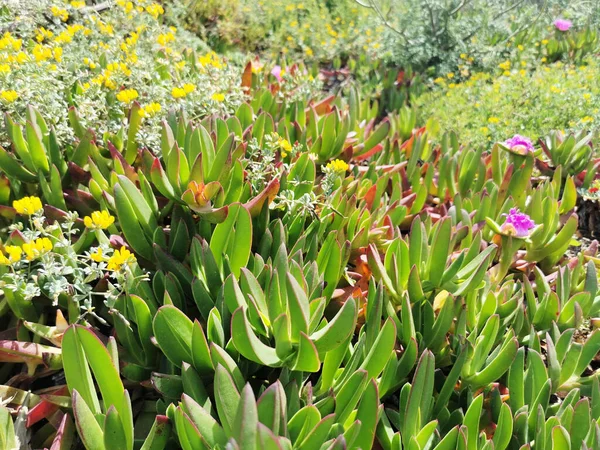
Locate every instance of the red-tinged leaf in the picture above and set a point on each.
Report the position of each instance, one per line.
(408, 145)
(64, 435)
(255, 205)
(370, 196)
(247, 77)
(408, 200)
(369, 153)
(44, 409)
(116, 154)
(324, 106)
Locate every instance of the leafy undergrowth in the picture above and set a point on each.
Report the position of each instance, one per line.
(486, 108)
(289, 271)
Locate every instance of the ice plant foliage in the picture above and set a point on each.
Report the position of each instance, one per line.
(197, 255)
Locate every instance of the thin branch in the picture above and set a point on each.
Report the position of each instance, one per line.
(373, 5)
(97, 8)
(458, 8)
(497, 16)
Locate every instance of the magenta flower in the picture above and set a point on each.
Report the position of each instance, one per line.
(517, 223)
(563, 24)
(519, 144)
(276, 72)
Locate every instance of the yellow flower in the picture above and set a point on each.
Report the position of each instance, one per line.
(587, 119)
(587, 96)
(178, 92)
(37, 248)
(9, 96)
(188, 88)
(545, 42)
(338, 166)
(14, 252)
(28, 205)
(152, 108)
(97, 255)
(77, 4)
(218, 97)
(155, 10)
(57, 52)
(120, 258)
(521, 48)
(544, 59)
(99, 220)
(41, 34)
(61, 13)
(493, 120)
(14, 255)
(450, 75)
(505, 65)
(164, 38)
(127, 95)
(285, 146)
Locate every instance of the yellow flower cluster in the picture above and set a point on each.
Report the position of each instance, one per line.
(505, 65)
(28, 205)
(106, 78)
(164, 38)
(211, 59)
(155, 10)
(180, 92)
(99, 220)
(285, 146)
(97, 256)
(67, 35)
(32, 250)
(41, 34)
(37, 248)
(120, 258)
(127, 95)
(14, 253)
(9, 96)
(150, 109)
(61, 13)
(218, 97)
(337, 166)
(8, 41)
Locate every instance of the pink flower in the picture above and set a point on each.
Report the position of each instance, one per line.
(276, 72)
(517, 223)
(519, 144)
(563, 24)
